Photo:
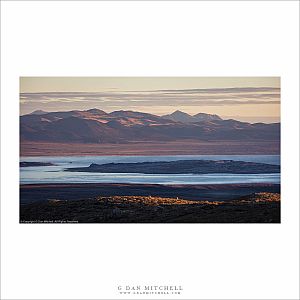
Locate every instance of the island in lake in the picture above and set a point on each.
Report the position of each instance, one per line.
(24, 164)
(182, 167)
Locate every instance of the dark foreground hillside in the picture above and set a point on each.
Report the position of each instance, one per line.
(76, 191)
(254, 208)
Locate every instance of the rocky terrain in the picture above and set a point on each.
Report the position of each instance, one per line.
(254, 208)
(182, 167)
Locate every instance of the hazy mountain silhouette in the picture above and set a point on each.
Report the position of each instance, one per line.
(38, 112)
(97, 126)
(180, 116)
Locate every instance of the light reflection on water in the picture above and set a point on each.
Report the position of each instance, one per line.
(55, 174)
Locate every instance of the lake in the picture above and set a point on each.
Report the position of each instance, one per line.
(56, 174)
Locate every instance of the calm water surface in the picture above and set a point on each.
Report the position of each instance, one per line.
(56, 174)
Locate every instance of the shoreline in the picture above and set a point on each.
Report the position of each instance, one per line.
(180, 147)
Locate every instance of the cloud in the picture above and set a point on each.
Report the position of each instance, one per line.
(186, 97)
(223, 90)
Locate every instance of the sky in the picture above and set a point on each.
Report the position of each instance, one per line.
(251, 99)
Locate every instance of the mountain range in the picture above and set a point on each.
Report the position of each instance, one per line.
(97, 126)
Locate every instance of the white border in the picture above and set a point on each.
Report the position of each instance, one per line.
(150, 39)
